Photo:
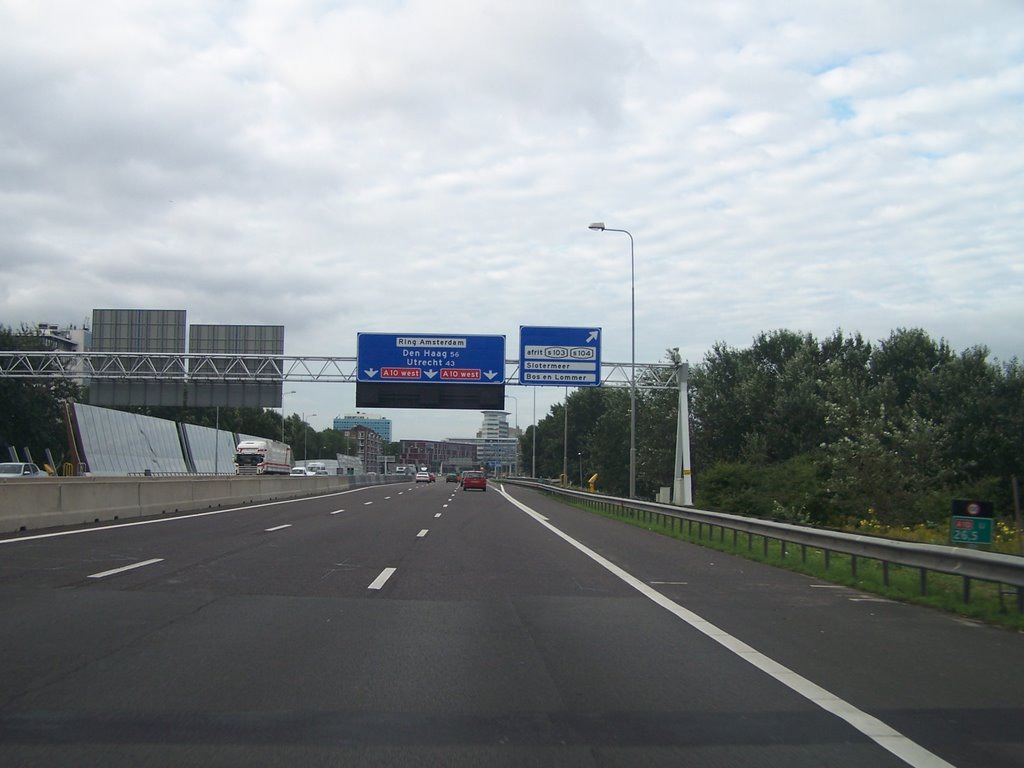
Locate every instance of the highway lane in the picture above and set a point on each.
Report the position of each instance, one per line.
(492, 642)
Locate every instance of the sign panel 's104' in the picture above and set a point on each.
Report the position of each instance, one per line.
(557, 356)
(426, 358)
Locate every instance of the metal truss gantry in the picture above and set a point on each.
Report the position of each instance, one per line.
(98, 366)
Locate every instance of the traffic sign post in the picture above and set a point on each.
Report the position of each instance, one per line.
(430, 358)
(562, 357)
(971, 522)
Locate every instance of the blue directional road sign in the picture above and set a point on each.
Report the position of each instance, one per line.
(424, 358)
(563, 357)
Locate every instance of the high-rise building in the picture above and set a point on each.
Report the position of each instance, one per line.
(370, 443)
(496, 448)
(374, 421)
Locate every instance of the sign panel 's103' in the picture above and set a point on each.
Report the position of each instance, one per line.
(564, 357)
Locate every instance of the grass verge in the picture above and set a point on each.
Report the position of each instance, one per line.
(990, 603)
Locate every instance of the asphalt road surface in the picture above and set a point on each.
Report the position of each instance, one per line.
(423, 625)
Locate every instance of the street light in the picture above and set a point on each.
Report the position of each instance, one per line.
(600, 227)
(305, 436)
(289, 392)
(580, 454)
(516, 400)
(533, 465)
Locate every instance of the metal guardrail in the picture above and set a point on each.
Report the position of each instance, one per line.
(966, 563)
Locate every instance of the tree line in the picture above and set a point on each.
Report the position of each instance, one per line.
(808, 430)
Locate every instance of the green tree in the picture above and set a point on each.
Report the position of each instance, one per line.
(32, 418)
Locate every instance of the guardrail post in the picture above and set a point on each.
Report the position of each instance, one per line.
(967, 590)
(924, 582)
(853, 566)
(783, 543)
(803, 553)
(828, 559)
(885, 572)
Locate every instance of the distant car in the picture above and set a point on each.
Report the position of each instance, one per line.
(474, 481)
(10, 469)
(433, 477)
(422, 477)
(302, 472)
(451, 477)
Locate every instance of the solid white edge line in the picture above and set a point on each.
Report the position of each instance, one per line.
(886, 737)
(277, 528)
(382, 579)
(131, 567)
(422, 533)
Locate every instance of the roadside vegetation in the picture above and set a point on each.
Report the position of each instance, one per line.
(990, 603)
(839, 432)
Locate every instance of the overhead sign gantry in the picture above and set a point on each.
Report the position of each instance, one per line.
(430, 370)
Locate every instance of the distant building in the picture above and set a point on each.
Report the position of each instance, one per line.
(439, 454)
(370, 446)
(497, 445)
(376, 422)
(69, 339)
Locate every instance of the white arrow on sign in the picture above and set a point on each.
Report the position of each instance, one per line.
(371, 372)
(592, 336)
(490, 374)
(430, 374)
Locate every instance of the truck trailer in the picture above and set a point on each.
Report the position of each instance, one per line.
(263, 457)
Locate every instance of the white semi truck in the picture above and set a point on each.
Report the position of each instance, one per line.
(263, 457)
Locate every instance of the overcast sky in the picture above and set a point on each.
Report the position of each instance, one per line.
(431, 166)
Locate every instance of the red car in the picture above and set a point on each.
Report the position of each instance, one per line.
(471, 480)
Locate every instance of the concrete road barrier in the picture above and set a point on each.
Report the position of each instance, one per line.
(65, 501)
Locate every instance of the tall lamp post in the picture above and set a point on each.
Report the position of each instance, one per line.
(289, 392)
(305, 436)
(533, 464)
(600, 227)
(515, 399)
